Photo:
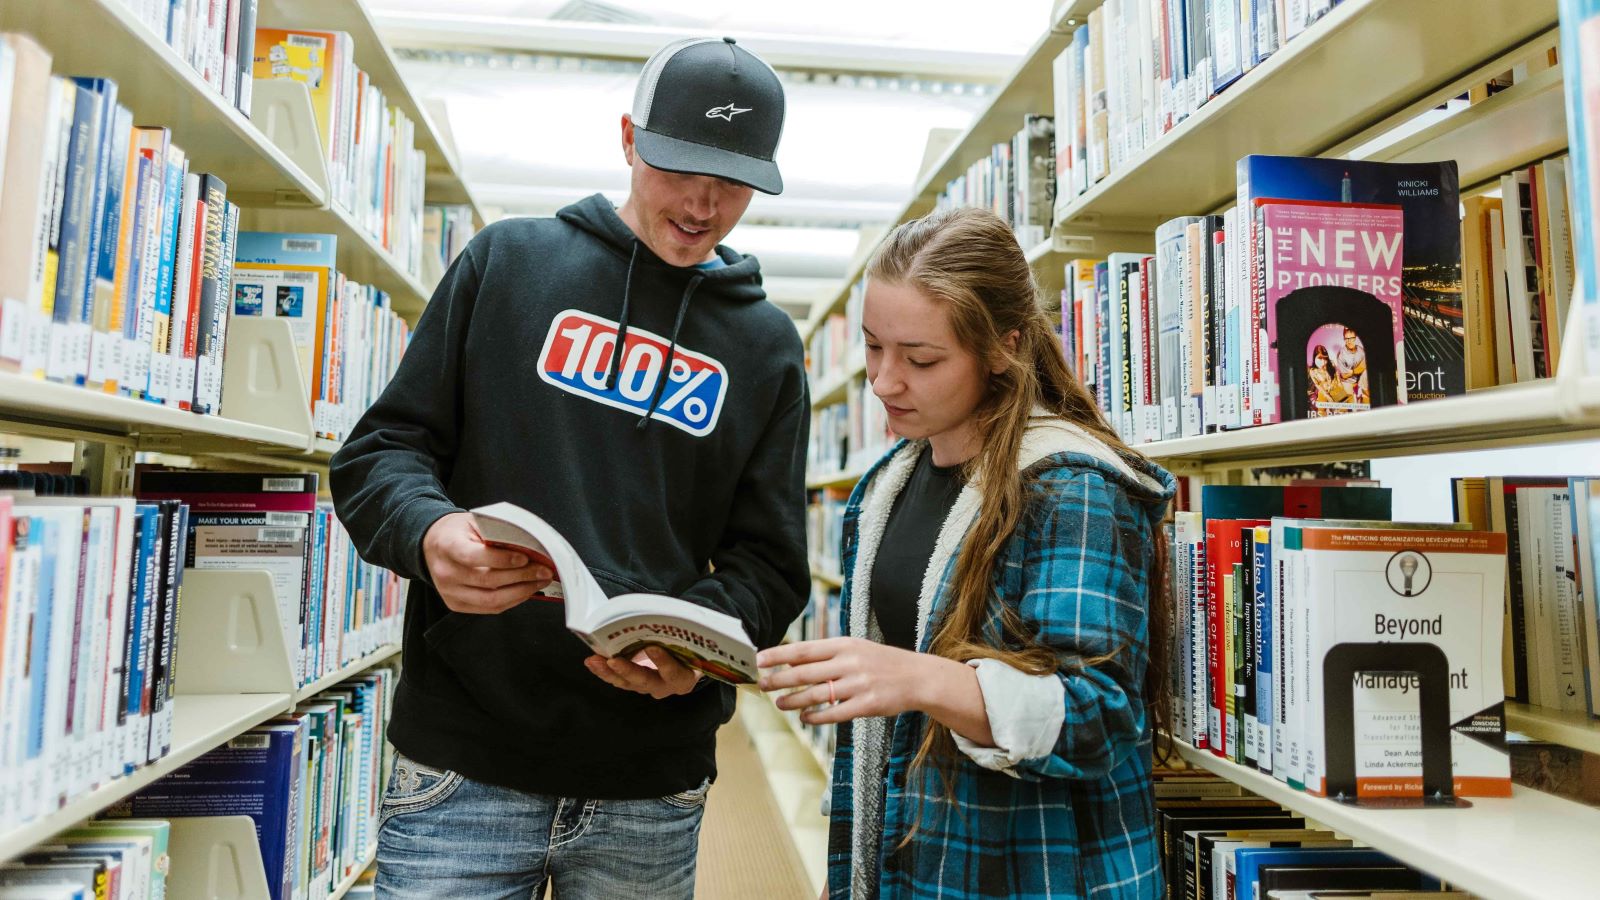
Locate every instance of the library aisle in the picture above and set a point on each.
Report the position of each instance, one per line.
(745, 850)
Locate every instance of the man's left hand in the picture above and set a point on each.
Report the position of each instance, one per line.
(652, 671)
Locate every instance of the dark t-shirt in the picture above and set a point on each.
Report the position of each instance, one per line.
(914, 522)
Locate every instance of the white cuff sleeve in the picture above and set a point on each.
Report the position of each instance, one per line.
(1025, 716)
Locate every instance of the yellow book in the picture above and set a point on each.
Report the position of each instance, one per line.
(311, 58)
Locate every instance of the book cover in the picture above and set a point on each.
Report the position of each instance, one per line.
(291, 277)
(1429, 197)
(312, 58)
(1333, 300)
(205, 379)
(1368, 586)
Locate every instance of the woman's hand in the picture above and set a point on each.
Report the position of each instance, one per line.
(847, 678)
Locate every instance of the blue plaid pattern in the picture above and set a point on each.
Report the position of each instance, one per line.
(1080, 821)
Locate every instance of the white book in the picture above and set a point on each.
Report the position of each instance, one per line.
(1283, 652)
(109, 762)
(1174, 309)
(1390, 586)
(8, 73)
(1583, 526)
(48, 771)
(56, 133)
(27, 556)
(1569, 652)
(1563, 273)
(1532, 509)
(1518, 250)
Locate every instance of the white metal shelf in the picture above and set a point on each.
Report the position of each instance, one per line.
(1569, 729)
(1363, 61)
(353, 669)
(1516, 413)
(843, 478)
(52, 409)
(1532, 846)
(201, 722)
(373, 56)
(105, 38)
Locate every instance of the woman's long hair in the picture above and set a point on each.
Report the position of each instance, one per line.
(969, 261)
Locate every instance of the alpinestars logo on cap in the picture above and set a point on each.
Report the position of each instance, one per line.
(725, 113)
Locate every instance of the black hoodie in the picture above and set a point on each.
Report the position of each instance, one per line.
(696, 489)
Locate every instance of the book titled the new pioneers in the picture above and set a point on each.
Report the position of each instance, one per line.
(714, 643)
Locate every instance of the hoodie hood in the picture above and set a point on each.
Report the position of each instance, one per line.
(738, 280)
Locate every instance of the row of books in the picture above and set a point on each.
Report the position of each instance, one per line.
(1016, 181)
(1137, 68)
(1220, 842)
(374, 168)
(111, 250)
(90, 589)
(1333, 286)
(334, 608)
(120, 269)
(1551, 653)
(851, 435)
(825, 528)
(1316, 639)
(838, 343)
(817, 621)
(446, 231)
(347, 335)
(126, 860)
(312, 781)
(215, 37)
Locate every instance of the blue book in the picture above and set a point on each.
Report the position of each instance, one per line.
(1248, 862)
(1226, 63)
(112, 117)
(1580, 45)
(146, 572)
(77, 208)
(317, 626)
(1264, 592)
(107, 234)
(254, 773)
(1103, 375)
(49, 535)
(167, 254)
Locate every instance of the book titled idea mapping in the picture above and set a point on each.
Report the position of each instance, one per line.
(712, 642)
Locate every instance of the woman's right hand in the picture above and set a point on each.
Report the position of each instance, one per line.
(473, 577)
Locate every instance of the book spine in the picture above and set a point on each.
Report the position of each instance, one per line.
(71, 268)
(206, 389)
(112, 247)
(1262, 647)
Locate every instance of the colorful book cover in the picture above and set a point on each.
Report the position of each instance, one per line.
(1580, 49)
(1429, 197)
(1334, 308)
(311, 58)
(290, 277)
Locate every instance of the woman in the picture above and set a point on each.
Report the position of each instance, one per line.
(1003, 564)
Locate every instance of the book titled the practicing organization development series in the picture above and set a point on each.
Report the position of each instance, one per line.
(714, 643)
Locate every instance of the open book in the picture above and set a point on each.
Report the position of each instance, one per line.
(714, 643)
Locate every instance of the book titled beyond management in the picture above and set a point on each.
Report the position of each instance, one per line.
(712, 642)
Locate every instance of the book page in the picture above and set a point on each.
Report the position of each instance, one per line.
(511, 527)
(704, 639)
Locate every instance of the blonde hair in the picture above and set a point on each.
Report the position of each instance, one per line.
(968, 260)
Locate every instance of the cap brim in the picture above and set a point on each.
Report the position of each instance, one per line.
(674, 155)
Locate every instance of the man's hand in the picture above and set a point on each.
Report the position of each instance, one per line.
(473, 577)
(653, 671)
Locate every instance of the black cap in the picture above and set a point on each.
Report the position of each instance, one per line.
(710, 107)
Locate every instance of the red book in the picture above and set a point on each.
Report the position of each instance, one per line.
(1224, 550)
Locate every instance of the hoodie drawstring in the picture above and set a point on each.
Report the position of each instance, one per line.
(622, 322)
(672, 349)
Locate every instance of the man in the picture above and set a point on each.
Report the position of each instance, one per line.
(618, 373)
(1351, 361)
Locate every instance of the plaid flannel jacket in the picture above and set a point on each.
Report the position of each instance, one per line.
(1078, 822)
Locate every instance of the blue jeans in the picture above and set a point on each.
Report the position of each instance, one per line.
(445, 836)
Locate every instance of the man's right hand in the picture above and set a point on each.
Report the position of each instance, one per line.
(473, 577)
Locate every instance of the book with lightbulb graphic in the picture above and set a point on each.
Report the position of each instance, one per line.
(1353, 591)
(712, 642)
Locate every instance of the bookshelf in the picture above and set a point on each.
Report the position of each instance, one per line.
(367, 859)
(1569, 729)
(200, 723)
(1382, 55)
(105, 38)
(1374, 71)
(1530, 846)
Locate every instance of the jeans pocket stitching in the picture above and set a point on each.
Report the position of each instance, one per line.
(690, 799)
(426, 800)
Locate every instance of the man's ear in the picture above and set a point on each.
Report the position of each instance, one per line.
(627, 138)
